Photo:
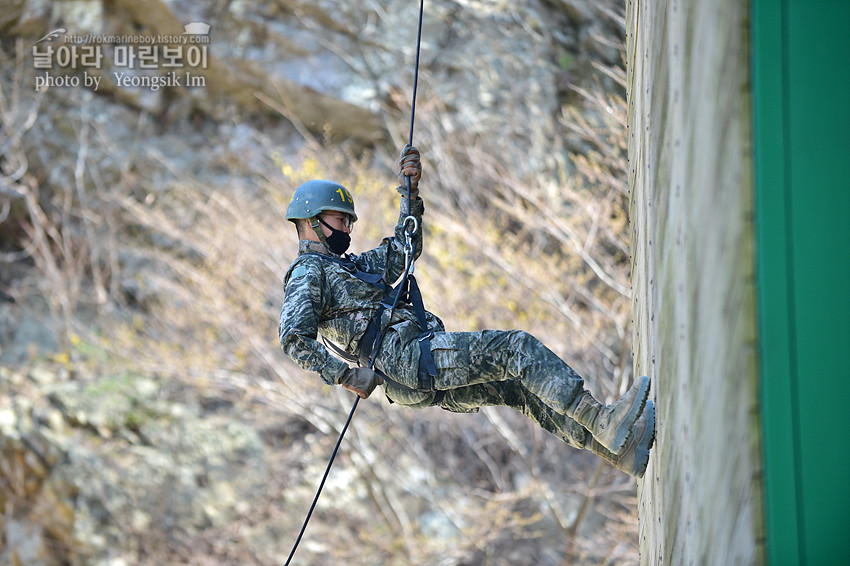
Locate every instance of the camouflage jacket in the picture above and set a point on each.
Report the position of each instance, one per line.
(322, 297)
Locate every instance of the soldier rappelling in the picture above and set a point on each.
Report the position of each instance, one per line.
(346, 298)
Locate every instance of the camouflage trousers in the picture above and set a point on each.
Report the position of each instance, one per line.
(489, 368)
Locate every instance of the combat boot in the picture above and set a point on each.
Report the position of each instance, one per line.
(610, 425)
(634, 456)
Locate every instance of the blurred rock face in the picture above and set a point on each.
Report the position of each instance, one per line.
(83, 466)
(342, 71)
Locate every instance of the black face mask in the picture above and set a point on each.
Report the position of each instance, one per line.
(338, 241)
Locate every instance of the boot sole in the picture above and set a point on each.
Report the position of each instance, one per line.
(645, 443)
(624, 429)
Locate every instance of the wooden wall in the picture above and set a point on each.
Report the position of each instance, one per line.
(693, 279)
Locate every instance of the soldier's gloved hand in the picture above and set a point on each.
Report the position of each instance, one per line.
(409, 165)
(360, 380)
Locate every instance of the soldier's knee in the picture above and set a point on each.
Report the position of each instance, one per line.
(524, 341)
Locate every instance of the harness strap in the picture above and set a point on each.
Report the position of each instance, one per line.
(339, 352)
(347, 264)
(410, 294)
(427, 369)
(366, 348)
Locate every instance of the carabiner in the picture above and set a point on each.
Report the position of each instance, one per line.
(415, 225)
(408, 253)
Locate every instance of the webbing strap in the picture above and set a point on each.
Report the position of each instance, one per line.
(347, 264)
(427, 369)
(370, 338)
(407, 291)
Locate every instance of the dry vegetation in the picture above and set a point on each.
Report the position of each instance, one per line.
(181, 282)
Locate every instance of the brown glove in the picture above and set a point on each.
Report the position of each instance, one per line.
(409, 165)
(360, 380)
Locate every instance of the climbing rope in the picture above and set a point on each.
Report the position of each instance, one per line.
(415, 87)
(409, 257)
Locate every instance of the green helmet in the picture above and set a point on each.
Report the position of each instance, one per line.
(314, 197)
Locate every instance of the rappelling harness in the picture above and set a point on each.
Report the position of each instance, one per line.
(406, 291)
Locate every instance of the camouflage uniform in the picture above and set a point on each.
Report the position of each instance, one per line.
(474, 369)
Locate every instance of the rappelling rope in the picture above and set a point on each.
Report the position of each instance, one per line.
(415, 87)
(409, 253)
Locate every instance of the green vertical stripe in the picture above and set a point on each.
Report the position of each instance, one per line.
(801, 82)
(773, 226)
(794, 465)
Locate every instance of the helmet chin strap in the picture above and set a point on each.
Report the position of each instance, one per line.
(314, 223)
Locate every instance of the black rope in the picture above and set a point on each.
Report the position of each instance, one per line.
(416, 72)
(325, 477)
(415, 87)
(407, 271)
